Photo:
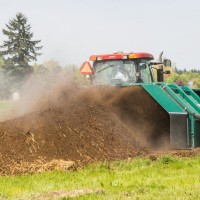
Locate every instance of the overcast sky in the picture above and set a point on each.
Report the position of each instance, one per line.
(72, 30)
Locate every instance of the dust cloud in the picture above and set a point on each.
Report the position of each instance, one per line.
(41, 92)
(132, 107)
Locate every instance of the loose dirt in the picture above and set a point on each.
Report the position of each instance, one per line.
(83, 125)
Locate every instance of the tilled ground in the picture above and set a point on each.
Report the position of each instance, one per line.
(84, 125)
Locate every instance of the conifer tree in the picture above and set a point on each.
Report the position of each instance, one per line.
(19, 49)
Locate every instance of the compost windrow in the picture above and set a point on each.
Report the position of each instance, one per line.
(85, 125)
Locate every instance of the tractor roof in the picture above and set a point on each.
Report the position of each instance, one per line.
(121, 55)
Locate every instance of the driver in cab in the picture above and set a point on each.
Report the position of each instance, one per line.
(122, 74)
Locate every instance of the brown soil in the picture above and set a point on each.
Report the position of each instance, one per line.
(85, 125)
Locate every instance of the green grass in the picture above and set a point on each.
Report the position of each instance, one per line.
(4, 106)
(166, 178)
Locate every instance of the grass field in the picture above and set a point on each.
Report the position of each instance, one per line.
(165, 178)
(5, 108)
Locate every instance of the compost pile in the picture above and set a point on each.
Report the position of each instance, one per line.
(71, 126)
(80, 126)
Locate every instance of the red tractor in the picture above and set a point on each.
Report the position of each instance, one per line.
(181, 104)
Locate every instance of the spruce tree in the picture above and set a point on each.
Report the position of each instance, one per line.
(19, 49)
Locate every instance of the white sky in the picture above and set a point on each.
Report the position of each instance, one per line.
(72, 30)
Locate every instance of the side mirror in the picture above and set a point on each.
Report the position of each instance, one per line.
(86, 68)
(167, 63)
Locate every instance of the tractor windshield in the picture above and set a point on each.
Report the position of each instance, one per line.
(121, 71)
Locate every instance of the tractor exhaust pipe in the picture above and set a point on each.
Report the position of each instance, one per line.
(160, 57)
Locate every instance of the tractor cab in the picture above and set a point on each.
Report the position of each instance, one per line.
(119, 68)
(122, 71)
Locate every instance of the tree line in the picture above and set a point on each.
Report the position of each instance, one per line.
(182, 71)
